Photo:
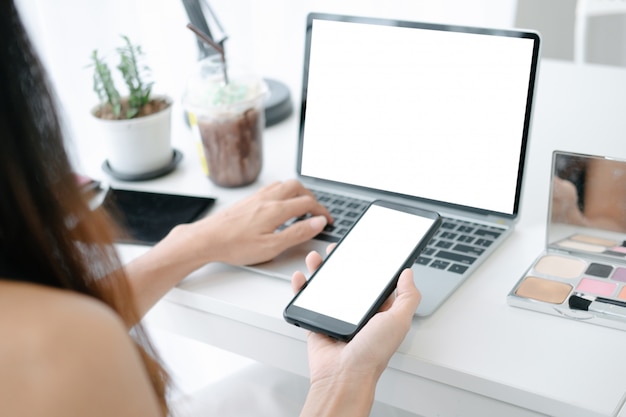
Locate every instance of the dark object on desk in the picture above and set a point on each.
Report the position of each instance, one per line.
(278, 102)
(177, 156)
(278, 105)
(149, 217)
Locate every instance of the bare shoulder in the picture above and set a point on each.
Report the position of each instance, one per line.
(41, 318)
(67, 354)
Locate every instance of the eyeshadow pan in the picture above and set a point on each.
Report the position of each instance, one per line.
(560, 266)
(599, 270)
(543, 290)
(592, 286)
(619, 275)
(622, 294)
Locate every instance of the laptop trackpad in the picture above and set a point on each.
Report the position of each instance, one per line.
(435, 285)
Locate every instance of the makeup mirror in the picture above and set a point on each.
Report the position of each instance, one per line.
(587, 212)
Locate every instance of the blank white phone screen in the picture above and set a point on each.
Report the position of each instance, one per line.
(362, 265)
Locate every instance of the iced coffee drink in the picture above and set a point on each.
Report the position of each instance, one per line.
(229, 115)
(233, 147)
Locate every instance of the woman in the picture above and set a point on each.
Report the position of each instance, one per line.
(589, 192)
(67, 304)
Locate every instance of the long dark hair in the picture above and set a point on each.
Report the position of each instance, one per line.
(48, 234)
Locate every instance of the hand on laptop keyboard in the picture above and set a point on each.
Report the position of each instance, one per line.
(249, 224)
(344, 210)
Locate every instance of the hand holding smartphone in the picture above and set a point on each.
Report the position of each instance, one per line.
(362, 271)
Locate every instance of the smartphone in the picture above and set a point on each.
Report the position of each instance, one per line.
(361, 272)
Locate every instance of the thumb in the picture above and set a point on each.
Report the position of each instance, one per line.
(408, 296)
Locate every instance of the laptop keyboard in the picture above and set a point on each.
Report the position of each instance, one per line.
(457, 244)
(455, 247)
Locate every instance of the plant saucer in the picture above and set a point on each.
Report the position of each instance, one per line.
(177, 156)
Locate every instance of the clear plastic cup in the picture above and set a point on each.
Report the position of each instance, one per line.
(227, 114)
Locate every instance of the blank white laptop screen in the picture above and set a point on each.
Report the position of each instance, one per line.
(429, 113)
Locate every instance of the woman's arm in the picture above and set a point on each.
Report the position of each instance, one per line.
(604, 198)
(565, 203)
(242, 234)
(605, 195)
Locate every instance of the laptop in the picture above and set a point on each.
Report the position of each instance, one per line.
(429, 115)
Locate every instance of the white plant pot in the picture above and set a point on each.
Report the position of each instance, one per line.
(140, 145)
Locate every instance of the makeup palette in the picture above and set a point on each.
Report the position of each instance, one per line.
(581, 274)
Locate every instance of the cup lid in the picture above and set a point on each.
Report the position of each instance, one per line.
(207, 90)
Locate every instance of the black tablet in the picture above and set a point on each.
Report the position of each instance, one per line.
(148, 217)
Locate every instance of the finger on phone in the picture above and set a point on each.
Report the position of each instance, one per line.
(313, 260)
(297, 281)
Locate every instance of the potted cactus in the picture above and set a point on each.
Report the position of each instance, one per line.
(136, 127)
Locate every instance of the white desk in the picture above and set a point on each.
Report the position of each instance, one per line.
(476, 356)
